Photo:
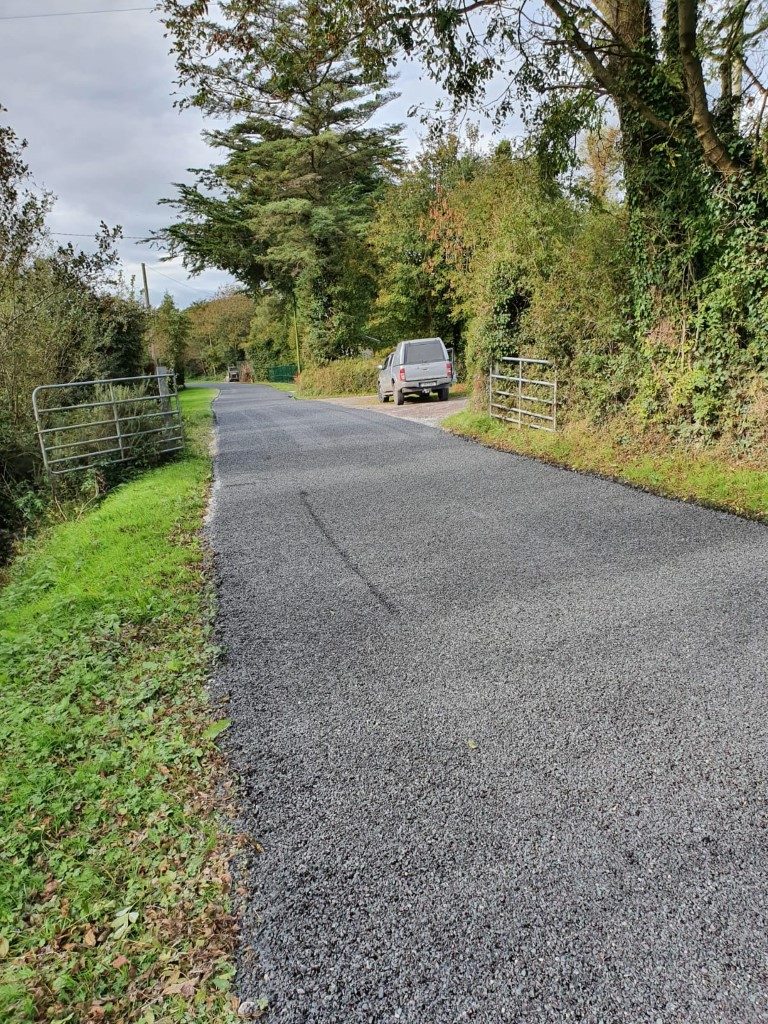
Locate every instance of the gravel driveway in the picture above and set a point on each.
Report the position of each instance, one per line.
(431, 410)
(500, 730)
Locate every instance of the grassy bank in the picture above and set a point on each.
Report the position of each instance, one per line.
(113, 872)
(652, 463)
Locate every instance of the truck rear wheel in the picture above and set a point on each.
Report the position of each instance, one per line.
(442, 394)
(399, 397)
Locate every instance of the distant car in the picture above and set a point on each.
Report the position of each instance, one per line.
(417, 367)
(233, 374)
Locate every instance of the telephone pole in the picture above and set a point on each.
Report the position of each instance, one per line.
(152, 349)
(146, 286)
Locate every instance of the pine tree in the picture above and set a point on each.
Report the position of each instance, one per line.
(289, 206)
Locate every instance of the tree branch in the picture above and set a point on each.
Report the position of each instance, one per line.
(715, 152)
(604, 76)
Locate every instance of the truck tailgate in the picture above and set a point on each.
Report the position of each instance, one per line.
(425, 372)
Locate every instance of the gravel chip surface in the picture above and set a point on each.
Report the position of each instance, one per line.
(500, 730)
(429, 410)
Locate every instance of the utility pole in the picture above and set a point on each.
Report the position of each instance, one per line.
(146, 286)
(152, 349)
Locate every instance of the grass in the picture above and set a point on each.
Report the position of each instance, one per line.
(112, 862)
(653, 464)
(288, 386)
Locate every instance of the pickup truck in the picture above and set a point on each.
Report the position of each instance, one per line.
(416, 367)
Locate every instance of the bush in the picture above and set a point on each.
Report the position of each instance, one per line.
(341, 377)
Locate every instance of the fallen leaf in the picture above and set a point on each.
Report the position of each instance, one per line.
(89, 938)
(4, 947)
(119, 961)
(184, 987)
(472, 744)
(216, 728)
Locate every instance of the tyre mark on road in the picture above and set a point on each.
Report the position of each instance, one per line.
(384, 601)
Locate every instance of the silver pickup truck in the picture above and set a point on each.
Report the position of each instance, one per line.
(416, 367)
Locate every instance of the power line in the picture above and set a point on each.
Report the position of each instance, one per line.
(87, 234)
(71, 14)
(182, 284)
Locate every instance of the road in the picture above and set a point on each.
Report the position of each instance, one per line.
(500, 730)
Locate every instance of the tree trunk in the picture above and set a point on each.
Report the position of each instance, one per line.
(715, 152)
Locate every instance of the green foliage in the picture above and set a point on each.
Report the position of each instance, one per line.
(271, 336)
(528, 268)
(289, 206)
(112, 873)
(341, 377)
(218, 331)
(648, 292)
(60, 320)
(169, 336)
(415, 296)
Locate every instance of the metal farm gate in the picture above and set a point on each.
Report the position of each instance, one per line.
(282, 374)
(103, 422)
(516, 396)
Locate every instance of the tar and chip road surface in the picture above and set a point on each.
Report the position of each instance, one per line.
(501, 730)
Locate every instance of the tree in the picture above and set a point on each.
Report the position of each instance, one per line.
(564, 59)
(60, 316)
(415, 295)
(169, 336)
(219, 329)
(289, 206)
(63, 317)
(272, 338)
(684, 83)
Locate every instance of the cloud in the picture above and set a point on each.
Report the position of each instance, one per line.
(92, 94)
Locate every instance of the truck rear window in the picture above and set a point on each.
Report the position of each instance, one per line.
(423, 352)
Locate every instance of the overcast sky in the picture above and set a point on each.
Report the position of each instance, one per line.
(92, 94)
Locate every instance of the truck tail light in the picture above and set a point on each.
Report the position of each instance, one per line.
(401, 373)
(449, 369)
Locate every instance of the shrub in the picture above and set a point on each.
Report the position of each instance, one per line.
(341, 377)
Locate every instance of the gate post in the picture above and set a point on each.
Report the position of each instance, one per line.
(118, 428)
(41, 437)
(554, 404)
(519, 392)
(165, 400)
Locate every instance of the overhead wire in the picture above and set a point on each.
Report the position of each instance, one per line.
(72, 14)
(78, 14)
(88, 234)
(182, 284)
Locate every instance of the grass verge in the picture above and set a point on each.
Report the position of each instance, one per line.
(657, 466)
(113, 871)
(278, 385)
